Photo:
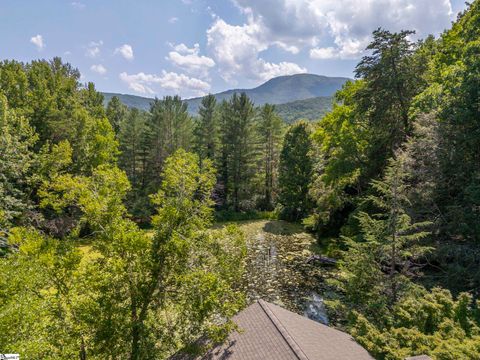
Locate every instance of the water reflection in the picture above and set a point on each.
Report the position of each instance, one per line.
(315, 309)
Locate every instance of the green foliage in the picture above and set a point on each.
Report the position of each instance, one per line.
(206, 130)
(270, 129)
(377, 266)
(115, 112)
(232, 216)
(58, 109)
(295, 172)
(146, 140)
(431, 323)
(452, 95)
(168, 129)
(17, 139)
(238, 153)
(127, 295)
(44, 302)
(367, 125)
(311, 109)
(400, 148)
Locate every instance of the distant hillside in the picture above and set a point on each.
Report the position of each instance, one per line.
(279, 90)
(284, 89)
(310, 109)
(132, 101)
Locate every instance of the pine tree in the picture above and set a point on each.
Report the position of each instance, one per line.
(116, 111)
(169, 128)
(132, 131)
(239, 150)
(206, 129)
(295, 172)
(270, 131)
(380, 265)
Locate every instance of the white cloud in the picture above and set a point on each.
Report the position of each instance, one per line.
(189, 59)
(167, 81)
(78, 5)
(323, 53)
(173, 20)
(93, 49)
(99, 69)
(37, 40)
(341, 28)
(126, 51)
(236, 50)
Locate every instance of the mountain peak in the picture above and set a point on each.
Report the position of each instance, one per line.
(278, 90)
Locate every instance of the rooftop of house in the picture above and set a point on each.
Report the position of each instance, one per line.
(269, 332)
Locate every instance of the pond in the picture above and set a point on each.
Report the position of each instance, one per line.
(277, 270)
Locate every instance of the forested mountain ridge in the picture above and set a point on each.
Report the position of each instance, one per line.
(279, 90)
(310, 109)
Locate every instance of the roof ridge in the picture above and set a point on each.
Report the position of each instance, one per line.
(283, 331)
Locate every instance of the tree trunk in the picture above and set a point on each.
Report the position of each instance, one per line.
(83, 351)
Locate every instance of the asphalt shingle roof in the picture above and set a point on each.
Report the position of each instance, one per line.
(269, 332)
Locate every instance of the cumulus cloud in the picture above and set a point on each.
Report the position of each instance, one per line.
(93, 49)
(167, 81)
(126, 51)
(189, 59)
(341, 28)
(236, 50)
(99, 69)
(37, 40)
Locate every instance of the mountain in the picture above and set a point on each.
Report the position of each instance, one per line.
(310, 109)
(279, 90)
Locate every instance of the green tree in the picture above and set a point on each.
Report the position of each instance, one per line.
(377, 266)
(368, 124)
(116, 112)
(131, 139)
(17, 160)
(52, 94)
(134, 156)
(92, 100)
(14, 83)
(423, 323)
(206, 129)
(392, 81)
(144, 305)
(270, 129)
(453, 96)
(239, 150)
(295, 172)
(169, 129)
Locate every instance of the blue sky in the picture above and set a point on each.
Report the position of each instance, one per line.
(192, 47)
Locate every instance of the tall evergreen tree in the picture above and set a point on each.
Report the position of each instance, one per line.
(377, 268)
(206, 129)
(239, 149)
(295, 172)
(116, 111)
(169, 129)
(270, 130)
(131, 137)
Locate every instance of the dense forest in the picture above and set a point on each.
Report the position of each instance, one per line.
(107, 243)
